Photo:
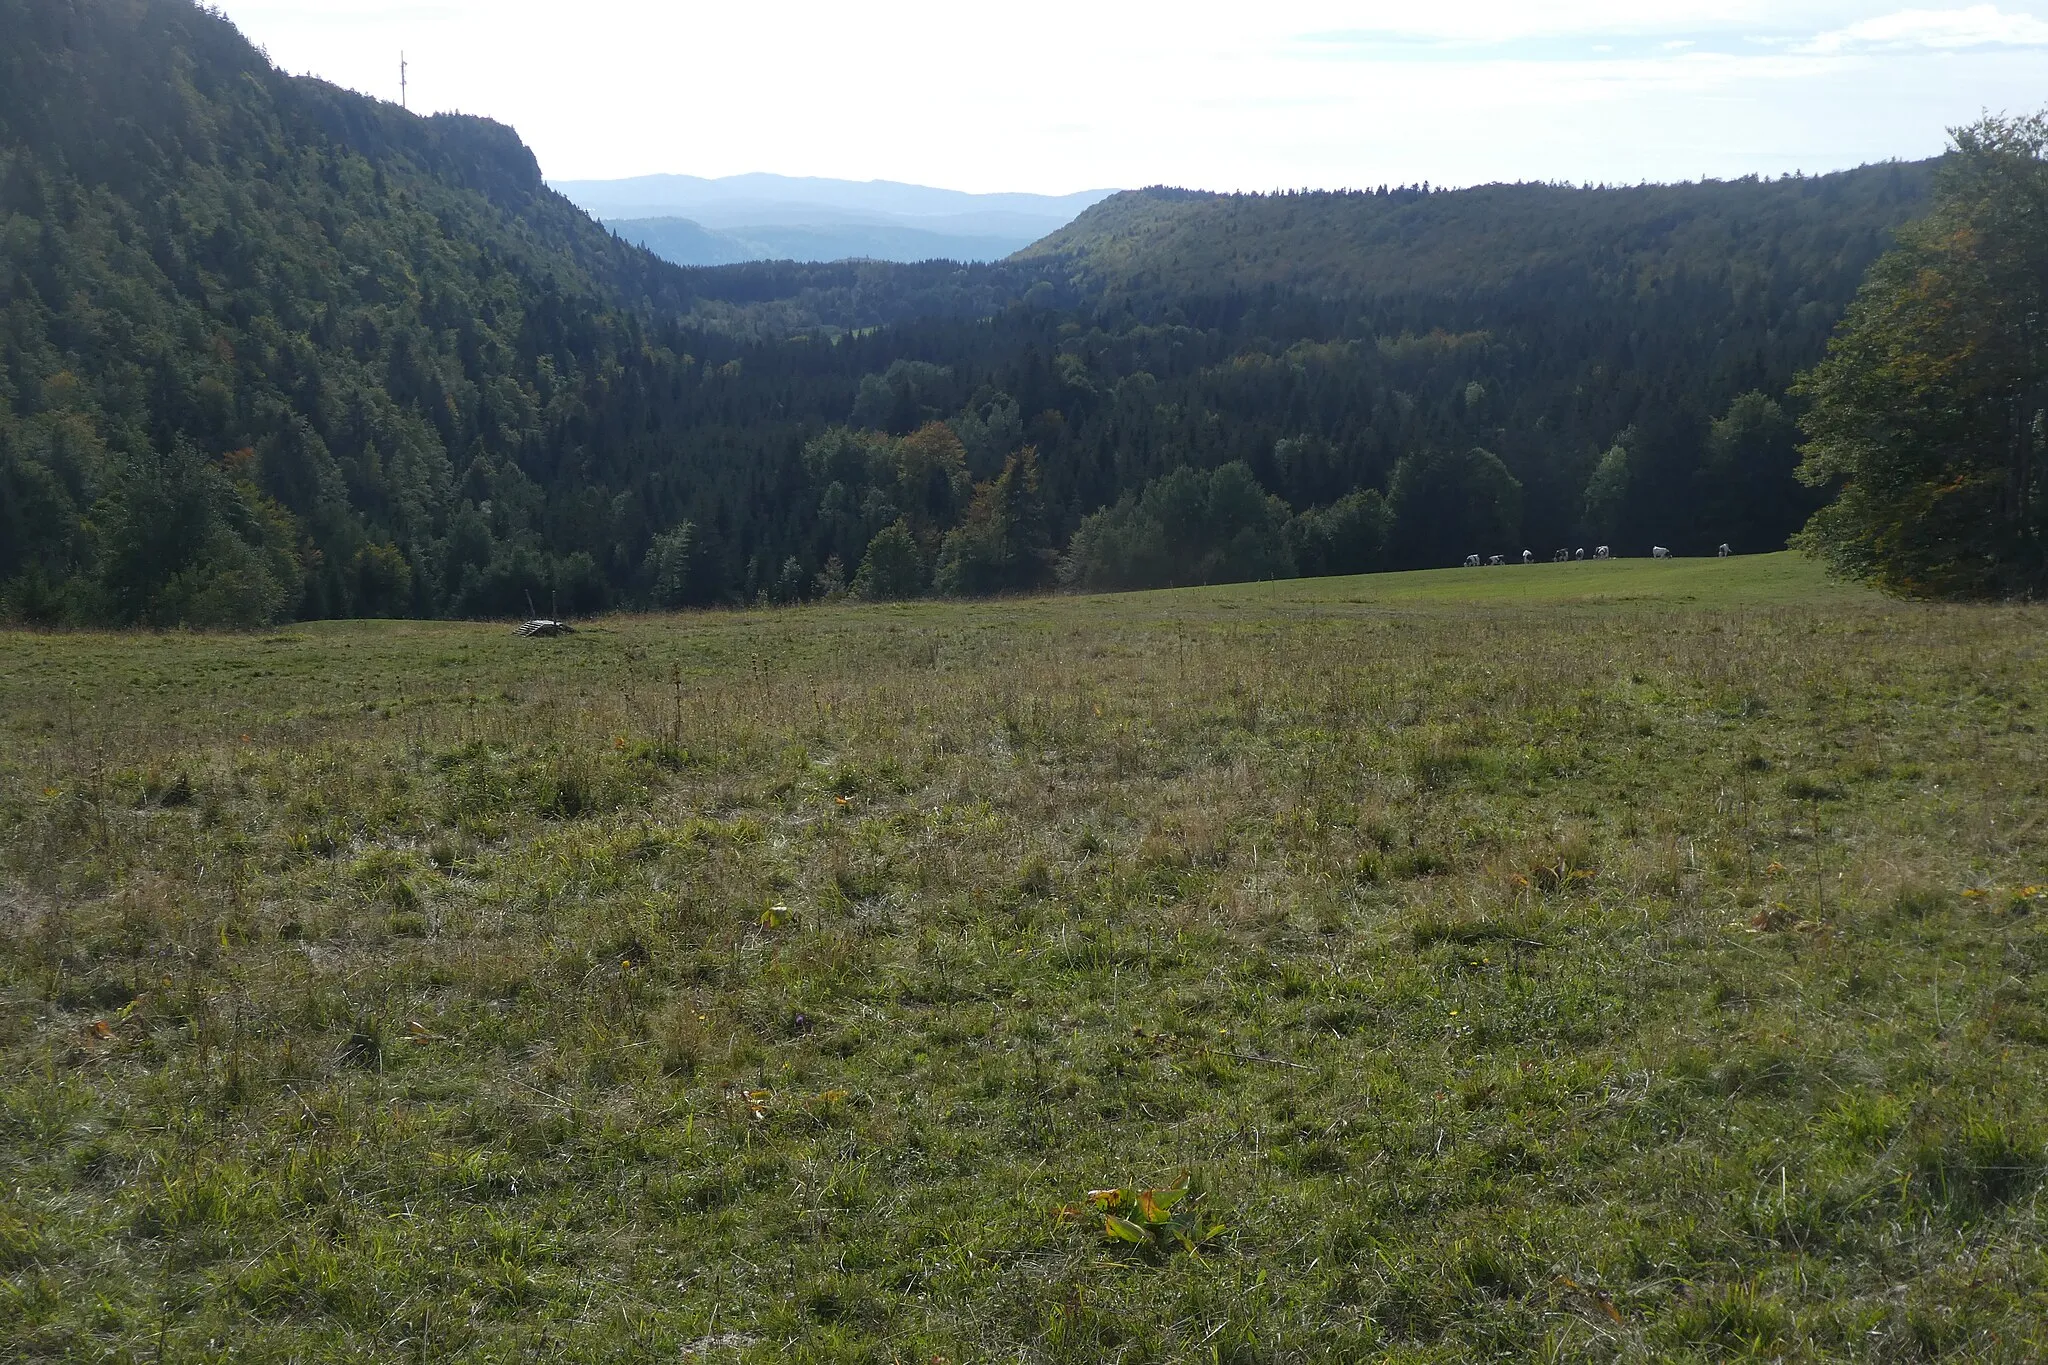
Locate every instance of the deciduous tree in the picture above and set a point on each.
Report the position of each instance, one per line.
(1931, 409)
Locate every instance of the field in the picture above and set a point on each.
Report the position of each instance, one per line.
(1635, 961)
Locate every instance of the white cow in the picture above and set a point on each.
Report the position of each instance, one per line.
(1659, 552)
(1724, 551)
(1602, 552)
(1579, 553)
(1471, 561)
(1495, 560)
(1528, 558)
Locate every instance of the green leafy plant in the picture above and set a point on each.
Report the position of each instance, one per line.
(1159, 1219)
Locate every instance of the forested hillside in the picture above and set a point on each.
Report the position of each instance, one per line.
(1596, 341)
(269, 348)
(1768, 239)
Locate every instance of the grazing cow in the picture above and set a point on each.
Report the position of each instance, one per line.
(1495, 560)
(1659, 552)
(1579, 553)
(1471, 561)
(1602, 552)
(1724, 551)
(1528, 558)
(1561, 557)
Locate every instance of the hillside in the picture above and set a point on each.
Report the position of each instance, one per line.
(268, 347)
(683, 241)
(1466, 245)
(317, 323)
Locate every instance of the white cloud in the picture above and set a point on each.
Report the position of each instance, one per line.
(1936, 29)
(1071, 94)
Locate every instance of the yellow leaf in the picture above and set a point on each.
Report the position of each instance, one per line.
(1153, 1205)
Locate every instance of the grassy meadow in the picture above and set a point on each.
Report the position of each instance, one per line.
(1629, 961)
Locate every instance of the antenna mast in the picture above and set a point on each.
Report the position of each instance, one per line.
(401, 79)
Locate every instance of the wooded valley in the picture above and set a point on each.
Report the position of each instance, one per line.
(272, 349)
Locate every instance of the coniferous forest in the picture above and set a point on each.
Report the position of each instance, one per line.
(271, 349)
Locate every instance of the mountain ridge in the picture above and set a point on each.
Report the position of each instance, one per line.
(761, 216)
(1346, 241)
(684, 241)
(890, 198)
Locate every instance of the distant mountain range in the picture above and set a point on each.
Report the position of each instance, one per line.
(695, 221)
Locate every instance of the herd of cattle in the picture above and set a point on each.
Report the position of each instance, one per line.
(1566, 556)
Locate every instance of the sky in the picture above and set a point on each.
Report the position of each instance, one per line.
(1062, 95)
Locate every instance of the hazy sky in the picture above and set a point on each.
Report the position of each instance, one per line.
(1059, 95)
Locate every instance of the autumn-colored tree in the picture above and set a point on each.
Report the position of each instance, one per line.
(1931, 409)
(1003, 544)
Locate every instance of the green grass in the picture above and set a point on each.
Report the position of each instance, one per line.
(1783, 579)
(1629, 961)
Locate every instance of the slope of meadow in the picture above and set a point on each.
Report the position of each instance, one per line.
(1618, 962)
